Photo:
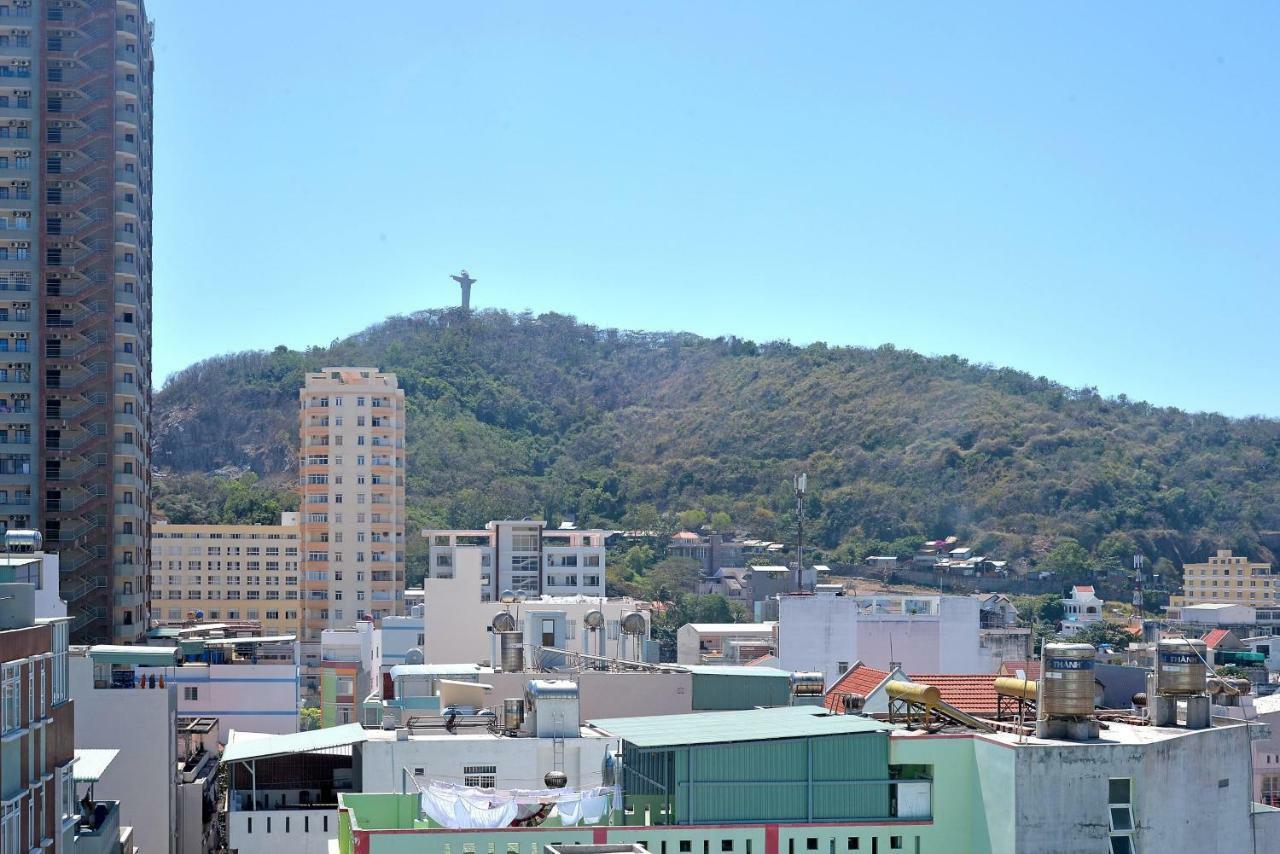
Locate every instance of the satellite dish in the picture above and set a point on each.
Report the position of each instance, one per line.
(593, 619)
(503, 621)
(414, 656)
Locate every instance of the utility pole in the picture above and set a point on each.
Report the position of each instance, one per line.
(801, 483)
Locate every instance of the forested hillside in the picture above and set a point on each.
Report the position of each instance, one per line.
(516, 415)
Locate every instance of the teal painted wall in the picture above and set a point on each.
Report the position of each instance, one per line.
(715, 692)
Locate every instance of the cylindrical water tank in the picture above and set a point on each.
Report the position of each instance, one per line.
(1012, 686)
(512, 713)
(1181, 671)
(924, 695)
(593, 619)
(807, 684)
(1066, 684)
(22, 538)
(511, 651)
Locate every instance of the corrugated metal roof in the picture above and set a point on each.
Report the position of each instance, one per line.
(733, 670)
(241, 749)
(437, 670)
(91, 764)
(252, 640)
(151, 656)
(725, 727)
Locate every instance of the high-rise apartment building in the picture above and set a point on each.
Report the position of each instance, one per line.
(351, 463)
(75, 297)
(228, 572)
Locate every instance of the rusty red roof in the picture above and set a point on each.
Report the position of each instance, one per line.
(974, 693)
(860, 679)
(1215, 637)
(1030, 668)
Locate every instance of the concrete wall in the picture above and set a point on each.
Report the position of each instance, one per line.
(140, 723)
(251, 697)
(521, 762)
(819, 632)
(277, 831)
(1191, 793)
(607, 695)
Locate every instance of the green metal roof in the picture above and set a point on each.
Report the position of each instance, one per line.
(731, 670)
(92, 763)
(726, 727)
(150, 656)
(241, 749)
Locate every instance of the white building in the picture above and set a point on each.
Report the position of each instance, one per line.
(110, 712)
(1080, 609)
(41, 570)
(724, 643)
(246, 683)
(457, 623)
(923, 634)
(1215, 614)
(530, 560)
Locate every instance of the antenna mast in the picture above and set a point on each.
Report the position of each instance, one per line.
(801, 482)
(1139, 602)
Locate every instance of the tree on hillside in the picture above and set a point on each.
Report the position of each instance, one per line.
(691, 520)
(1068, 558)
(671, 577)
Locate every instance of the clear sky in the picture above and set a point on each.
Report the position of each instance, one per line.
(1085, 191)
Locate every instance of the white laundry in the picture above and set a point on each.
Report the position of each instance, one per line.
(439, 805)
(570, 809)
(594, 807)
(479, 814)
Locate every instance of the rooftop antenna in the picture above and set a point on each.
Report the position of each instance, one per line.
(464, 279)
(1138, 601)
(801, 483)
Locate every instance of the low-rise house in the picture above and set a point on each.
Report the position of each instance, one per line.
(1080, 609)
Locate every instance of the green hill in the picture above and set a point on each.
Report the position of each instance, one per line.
(515, 415)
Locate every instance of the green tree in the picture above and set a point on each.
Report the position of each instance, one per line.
(721, 522)
(308, 718)
(671, 577)
(691, 520)
(1068, 558)
(1103, 632)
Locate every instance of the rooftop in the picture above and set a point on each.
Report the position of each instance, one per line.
(1216, 637)
(1030, 669)
(726, 727)
(242, 746)
(974, 693)
(91, 764)
(859, 679)
(733, 628)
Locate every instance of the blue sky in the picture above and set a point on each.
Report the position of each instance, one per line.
(1088, 192)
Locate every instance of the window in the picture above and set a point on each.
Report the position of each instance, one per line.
(1120, 814)
(10, 827)
(479, 775)
(190, 692)
(11, 709)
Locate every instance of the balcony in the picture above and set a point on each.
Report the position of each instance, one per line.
(98, 830)
(127, 116)
(124, 206)
(127, 327)
(127, 56)
(124, 509)
(130, 600)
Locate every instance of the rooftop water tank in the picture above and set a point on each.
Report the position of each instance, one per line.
(22, 539)
(1066, 684)
(511, 651)
(633, 623)
(1181, 670)
(414, 656)
(807, 683)
(593, 619)
(503, 621)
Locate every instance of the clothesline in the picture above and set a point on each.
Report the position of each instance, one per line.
(453, 806)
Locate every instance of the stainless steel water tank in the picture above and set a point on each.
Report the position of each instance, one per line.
(1067, 680)
(503, 621)
(593, 619)
(633, 623)
(512, 713)
(807, 684)
(511, 651)
(1181, 671)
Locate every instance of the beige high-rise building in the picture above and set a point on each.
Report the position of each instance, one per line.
(228, 573)
(351, 464)
(1228, 579)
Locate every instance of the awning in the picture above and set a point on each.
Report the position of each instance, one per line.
(148, 656)
(91, 764)
(240, 750)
